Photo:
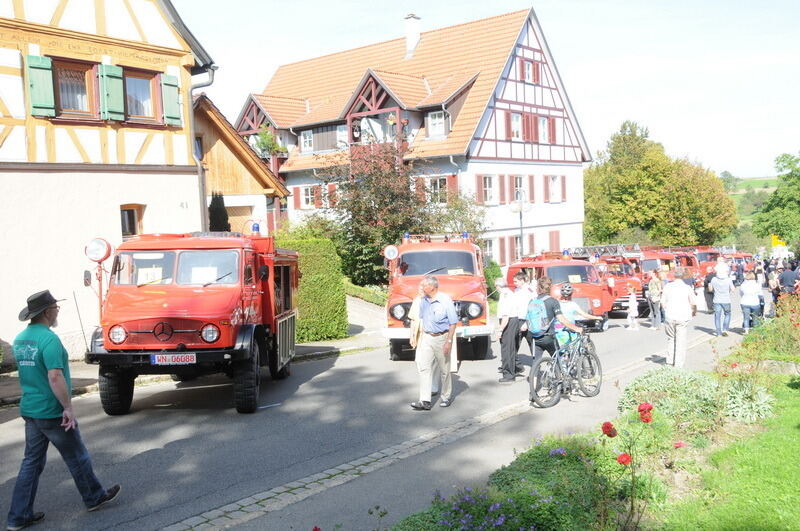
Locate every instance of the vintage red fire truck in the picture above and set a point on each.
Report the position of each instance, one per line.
(593, 294)
(457, 263)
(194, 304)
(619, 266)
(706, 256)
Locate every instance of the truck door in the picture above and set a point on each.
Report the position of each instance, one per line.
(251, 296)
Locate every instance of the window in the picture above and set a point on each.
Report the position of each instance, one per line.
(131, 219)
(554, 188)
(437, 263)
(544, 130)
(528, 69)
(519, 188)
(140, 95)
(75, 89)
(437, 186)
(342, 138)
(208, 267)
(488, 249)
(308, 197)
(488, 189)
(517, 247)
(283, 289)
(516, 126)
(198, 147)
(436, 123)
(307, 140)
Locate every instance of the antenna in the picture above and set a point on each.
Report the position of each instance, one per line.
(83, 331)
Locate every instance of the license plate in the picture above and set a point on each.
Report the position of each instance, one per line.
(187, 358)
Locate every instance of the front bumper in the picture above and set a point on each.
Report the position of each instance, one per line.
(141, 362)
(465, 332)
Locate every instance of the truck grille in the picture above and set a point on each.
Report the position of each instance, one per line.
(166, 330)
(582, 302)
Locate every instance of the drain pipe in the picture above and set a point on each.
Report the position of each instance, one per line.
(201, 173)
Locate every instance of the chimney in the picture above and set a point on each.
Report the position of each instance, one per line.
(412, 34)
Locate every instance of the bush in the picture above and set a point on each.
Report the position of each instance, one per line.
(321, 305)
(374, 294)
(777, 339)
(492, 272)
(748, 401)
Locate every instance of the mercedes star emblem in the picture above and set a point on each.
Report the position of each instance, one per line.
(162, 331)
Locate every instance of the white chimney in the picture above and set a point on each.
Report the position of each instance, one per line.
(412, 34)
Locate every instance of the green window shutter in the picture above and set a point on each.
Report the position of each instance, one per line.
(112, 92)
(40, 81)
(169, 98)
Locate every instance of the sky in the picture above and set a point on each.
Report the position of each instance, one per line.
(714, 81)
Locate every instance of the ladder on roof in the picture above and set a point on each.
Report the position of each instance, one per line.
(613, 249)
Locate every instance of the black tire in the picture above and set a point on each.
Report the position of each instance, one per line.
(284, 372)
(644, 310)
(546, 382)
(590, 373)
(396, 349)
(480, 348)
(116, 390)
(247, 382)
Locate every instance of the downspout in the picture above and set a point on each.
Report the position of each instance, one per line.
(453, 162)
(201, 173)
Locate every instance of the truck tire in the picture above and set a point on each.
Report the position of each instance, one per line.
(116, 390)
(284, 372)
(396, 349)
(480, 347)
(247, 381)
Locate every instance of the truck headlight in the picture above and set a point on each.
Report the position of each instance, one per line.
(209, 333)
(398, 311)
(474, 309)
(596, 303)
(117, 334)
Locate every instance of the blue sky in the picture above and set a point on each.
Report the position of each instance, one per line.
(716, 81)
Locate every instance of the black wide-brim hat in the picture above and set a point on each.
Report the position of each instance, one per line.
(37, 303)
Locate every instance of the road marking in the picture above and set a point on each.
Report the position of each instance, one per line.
(258, 505)
(270, 405)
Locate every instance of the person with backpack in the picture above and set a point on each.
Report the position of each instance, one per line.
(573, 312)
(543, 312)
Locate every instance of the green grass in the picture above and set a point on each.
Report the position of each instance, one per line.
(753, 482)
(757, 184)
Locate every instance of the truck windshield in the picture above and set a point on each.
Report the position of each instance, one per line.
(652, 264)
(707, 257)
(144, 267)
(437, 263)
(208, 267)
(573, 274)
(620, 270)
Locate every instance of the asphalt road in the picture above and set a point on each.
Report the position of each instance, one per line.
(184, 450)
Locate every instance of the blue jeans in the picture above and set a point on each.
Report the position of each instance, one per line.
(655, 313)
(39, 433)
(719, 308)
(750, 315)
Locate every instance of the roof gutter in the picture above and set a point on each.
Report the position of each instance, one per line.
(453, 162)
(201, 172)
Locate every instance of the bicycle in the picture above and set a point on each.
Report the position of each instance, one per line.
(576, 361)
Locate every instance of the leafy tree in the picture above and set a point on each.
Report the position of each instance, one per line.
(729, 182)
(751, 201)
(744, 239)
(780, 215)
(266, 143)
(491, 273)
(217, 215)
(458, 214)
(635, 235)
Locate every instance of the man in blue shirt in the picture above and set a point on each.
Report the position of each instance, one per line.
(439, 319)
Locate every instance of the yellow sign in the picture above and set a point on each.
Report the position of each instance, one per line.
(777, 242)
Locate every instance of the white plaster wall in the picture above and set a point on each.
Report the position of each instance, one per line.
(50, 217)
(258, 204)
(6, 9)
(119, 23)
(180, 153)
(12, 92)
(65, 147)
(79, 16)
(14, 149)
(90, 142)
(40, 11)
(153, 24)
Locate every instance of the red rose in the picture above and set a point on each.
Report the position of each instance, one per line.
(646, 417)
(317, 528)
(724, 374)
(624, 459)
(645, 407)
(734, 365)
(679, 444)
(608, 429)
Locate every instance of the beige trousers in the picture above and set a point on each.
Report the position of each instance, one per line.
(430, 350)
(676, 342)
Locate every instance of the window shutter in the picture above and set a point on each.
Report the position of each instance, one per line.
(170, 100)
(546, 188)
(531, 245)
(479, 189)
(535, 127)
(526, 128)
(551, 126)
(40, 82)
(332, 195)
(508, 125)
(512, 189)
(531, 189)
(452, 184)
(501, 257)
(112, 93)
(555, 240)
(318, 196)
(563, 188)
(296, 194)
(502, 180)
(521, 69)
(537, 72)
(427, 124)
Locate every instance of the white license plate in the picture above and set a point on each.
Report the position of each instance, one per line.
(186, 358)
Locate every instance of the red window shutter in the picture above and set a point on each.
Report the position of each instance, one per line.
(551, 126)
(508, 125)
(419, 184)
(526, 128)
(531, 245)
(296, 194)
(512, 188)
(563, 188)
(479, 189)
(318, 196)
(502, 180)
(555, 240)
(534, 128)
(501, 258)
(521, 68)
(452, 184)
(332, 194)
(537, 74)
(531, 189)
(546, 188)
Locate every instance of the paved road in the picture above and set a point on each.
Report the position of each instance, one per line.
(184, 451)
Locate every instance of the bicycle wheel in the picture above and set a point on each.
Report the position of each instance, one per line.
(590, 373)
(545, 379)
(587, 346)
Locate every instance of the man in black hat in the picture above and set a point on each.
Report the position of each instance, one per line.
(46, 407)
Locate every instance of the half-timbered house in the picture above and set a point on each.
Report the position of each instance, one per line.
(482, 102)
(95, 141)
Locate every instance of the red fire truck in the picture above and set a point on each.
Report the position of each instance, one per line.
(592, 293)
(619, 266)
(190, 305)
(457, 263)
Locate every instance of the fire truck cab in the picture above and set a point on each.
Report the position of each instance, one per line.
(457, 263)
(619, 265)
(591, 292)
(195, 304)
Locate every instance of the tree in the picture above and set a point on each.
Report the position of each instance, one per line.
(217, 215)
(266, 143)
(729, 182)
(458, 214)
(780, 215)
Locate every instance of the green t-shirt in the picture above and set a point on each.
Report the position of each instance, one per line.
(37, 350)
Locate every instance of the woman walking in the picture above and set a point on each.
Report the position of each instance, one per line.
(750, 300)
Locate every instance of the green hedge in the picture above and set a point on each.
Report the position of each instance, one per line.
(322, 309)
(373, 294)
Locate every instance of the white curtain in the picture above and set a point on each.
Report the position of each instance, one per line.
(139, 98)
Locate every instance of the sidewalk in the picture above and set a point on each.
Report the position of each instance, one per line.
(365, 321)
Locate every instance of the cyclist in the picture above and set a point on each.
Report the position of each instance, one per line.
(572, 312)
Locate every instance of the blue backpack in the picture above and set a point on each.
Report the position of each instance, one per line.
(538, 323)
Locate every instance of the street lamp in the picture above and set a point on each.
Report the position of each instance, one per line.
(521, 204)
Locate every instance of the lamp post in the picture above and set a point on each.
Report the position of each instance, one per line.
(521, 205)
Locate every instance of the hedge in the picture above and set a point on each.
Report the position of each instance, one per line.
(371, 294)
(321, 305)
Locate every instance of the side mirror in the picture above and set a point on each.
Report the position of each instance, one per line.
(263, 272)
(610, 281)
(87, 278)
